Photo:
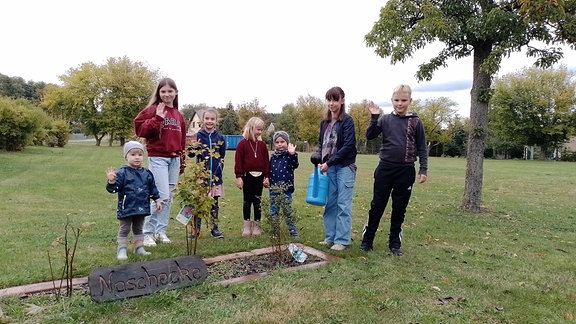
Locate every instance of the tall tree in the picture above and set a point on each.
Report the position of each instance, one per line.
(535, 107)
(288, 121)
(436, 114)
(487, 30)
(126, 87)
(361, 116)
(251, 109)
(310, 112)
(16, 87)
(229, 124)
(103, 98)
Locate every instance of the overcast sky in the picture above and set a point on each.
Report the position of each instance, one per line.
(227, 50)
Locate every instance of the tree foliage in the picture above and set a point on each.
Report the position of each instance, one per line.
(103, 98)
(229, 123)
(436, 114)
(535, 107)
(250, 109)
(288, 121)
(17, 88)
(21, 123)
(310, 112)
(487, 30)
(361, 117)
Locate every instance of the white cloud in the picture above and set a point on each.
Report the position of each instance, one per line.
(222, 50)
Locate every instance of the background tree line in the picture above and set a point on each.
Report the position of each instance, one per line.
(532, 107)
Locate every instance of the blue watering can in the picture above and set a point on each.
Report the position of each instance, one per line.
(317, 188)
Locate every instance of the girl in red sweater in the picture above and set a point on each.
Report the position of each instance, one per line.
(252, 171)
(164, 129)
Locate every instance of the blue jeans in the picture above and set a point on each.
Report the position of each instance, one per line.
(338, 210)
(288, 212)
(165, 171)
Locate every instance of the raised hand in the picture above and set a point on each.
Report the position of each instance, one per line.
(373, 108)
(291, 148)
(111, 175)
(160, 110)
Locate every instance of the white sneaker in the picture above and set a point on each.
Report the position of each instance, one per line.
(163, 238)
(338, 247)
(122, 256)
(149, 240)
(141, 251)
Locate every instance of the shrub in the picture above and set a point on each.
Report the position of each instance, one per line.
(568, 155)
(59, 133)
(20, 123)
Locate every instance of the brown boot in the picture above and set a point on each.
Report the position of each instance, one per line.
(247, 229)
(256, 230)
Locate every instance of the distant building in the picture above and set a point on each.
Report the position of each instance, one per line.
(193, 124)
(571, 144)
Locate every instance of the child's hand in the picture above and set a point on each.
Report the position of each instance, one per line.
(158, 205)
(373, 108)
(239, 183)
(291, 148)
(266, 183)
(111, 175)
(160, 110)
(422, 178)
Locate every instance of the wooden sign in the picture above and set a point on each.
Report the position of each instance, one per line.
(143, 278)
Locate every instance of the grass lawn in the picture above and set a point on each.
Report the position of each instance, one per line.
(513, 264)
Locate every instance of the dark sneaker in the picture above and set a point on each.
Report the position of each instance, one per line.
(216, 233)
(366, 247)
(395, 252)
(294, 234)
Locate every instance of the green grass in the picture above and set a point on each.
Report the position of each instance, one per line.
(513, 264)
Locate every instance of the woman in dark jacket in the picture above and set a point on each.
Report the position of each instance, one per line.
(337, 148)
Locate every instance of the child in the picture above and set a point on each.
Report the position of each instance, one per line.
(337, 147)
(252, 170)
(403, 140)
(207, 139)
(282, 165)
(135, 187)
(164, 129)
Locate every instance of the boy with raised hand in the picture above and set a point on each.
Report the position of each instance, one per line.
(403, 141)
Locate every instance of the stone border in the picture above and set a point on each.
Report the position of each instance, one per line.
(49, 285)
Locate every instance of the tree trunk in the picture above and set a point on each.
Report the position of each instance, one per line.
(481, 82)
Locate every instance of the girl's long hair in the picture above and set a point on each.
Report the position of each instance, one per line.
(335, 93)
(155, 97)
(251, 124)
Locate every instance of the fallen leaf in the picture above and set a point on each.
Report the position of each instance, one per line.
(436, 288)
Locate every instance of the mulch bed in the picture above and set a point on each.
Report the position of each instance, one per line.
(241, 267)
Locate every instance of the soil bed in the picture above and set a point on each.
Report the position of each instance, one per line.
(241, 267)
